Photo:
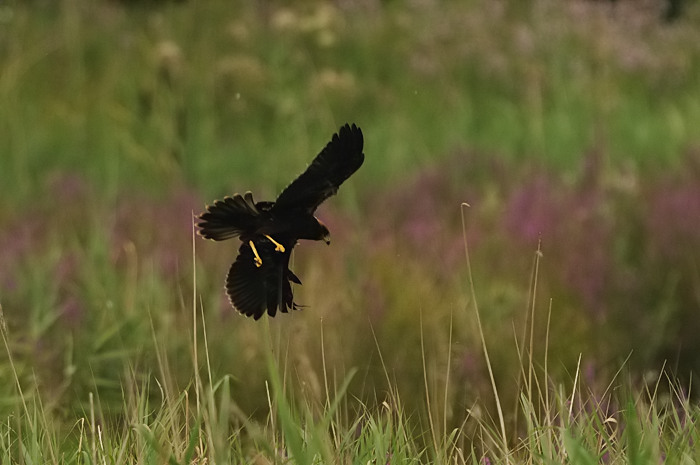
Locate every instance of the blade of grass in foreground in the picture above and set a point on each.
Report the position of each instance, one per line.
(304, 438)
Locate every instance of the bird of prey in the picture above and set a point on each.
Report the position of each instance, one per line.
(260, 279)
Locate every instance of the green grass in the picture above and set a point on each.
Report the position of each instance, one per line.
(152, 395)
(118, 122)
(312, 419)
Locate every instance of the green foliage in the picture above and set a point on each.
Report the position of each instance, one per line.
(138, 94)
(119, 119)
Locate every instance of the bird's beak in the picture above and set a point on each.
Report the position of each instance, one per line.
(326, 235)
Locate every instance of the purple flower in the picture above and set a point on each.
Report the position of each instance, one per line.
(532, 212)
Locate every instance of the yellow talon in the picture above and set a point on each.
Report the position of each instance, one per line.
(278, 247)
(258, 260)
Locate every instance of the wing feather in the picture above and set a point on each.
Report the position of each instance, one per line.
(254, 290)
(339, 159)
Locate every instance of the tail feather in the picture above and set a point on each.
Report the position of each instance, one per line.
(228, 218)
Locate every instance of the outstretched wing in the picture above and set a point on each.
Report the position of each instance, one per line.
(253, 290)
(341, 157)
(229, 217)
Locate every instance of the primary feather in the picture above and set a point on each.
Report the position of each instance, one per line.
(338, 160)
(254, 290)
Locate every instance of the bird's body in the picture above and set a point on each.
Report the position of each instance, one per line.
(259, 279)
(240, 216)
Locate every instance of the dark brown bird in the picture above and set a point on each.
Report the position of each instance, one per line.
(260, 279)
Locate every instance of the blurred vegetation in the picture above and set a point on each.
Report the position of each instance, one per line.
(567, 122)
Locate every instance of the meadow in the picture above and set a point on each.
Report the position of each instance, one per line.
(513, 276)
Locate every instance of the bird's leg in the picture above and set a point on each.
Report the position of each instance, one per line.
(278, 247)
(258, 260)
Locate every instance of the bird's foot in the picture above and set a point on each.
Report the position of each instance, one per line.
(257, 259)
(278, 247)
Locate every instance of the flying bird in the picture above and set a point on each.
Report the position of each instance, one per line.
(260, 279)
